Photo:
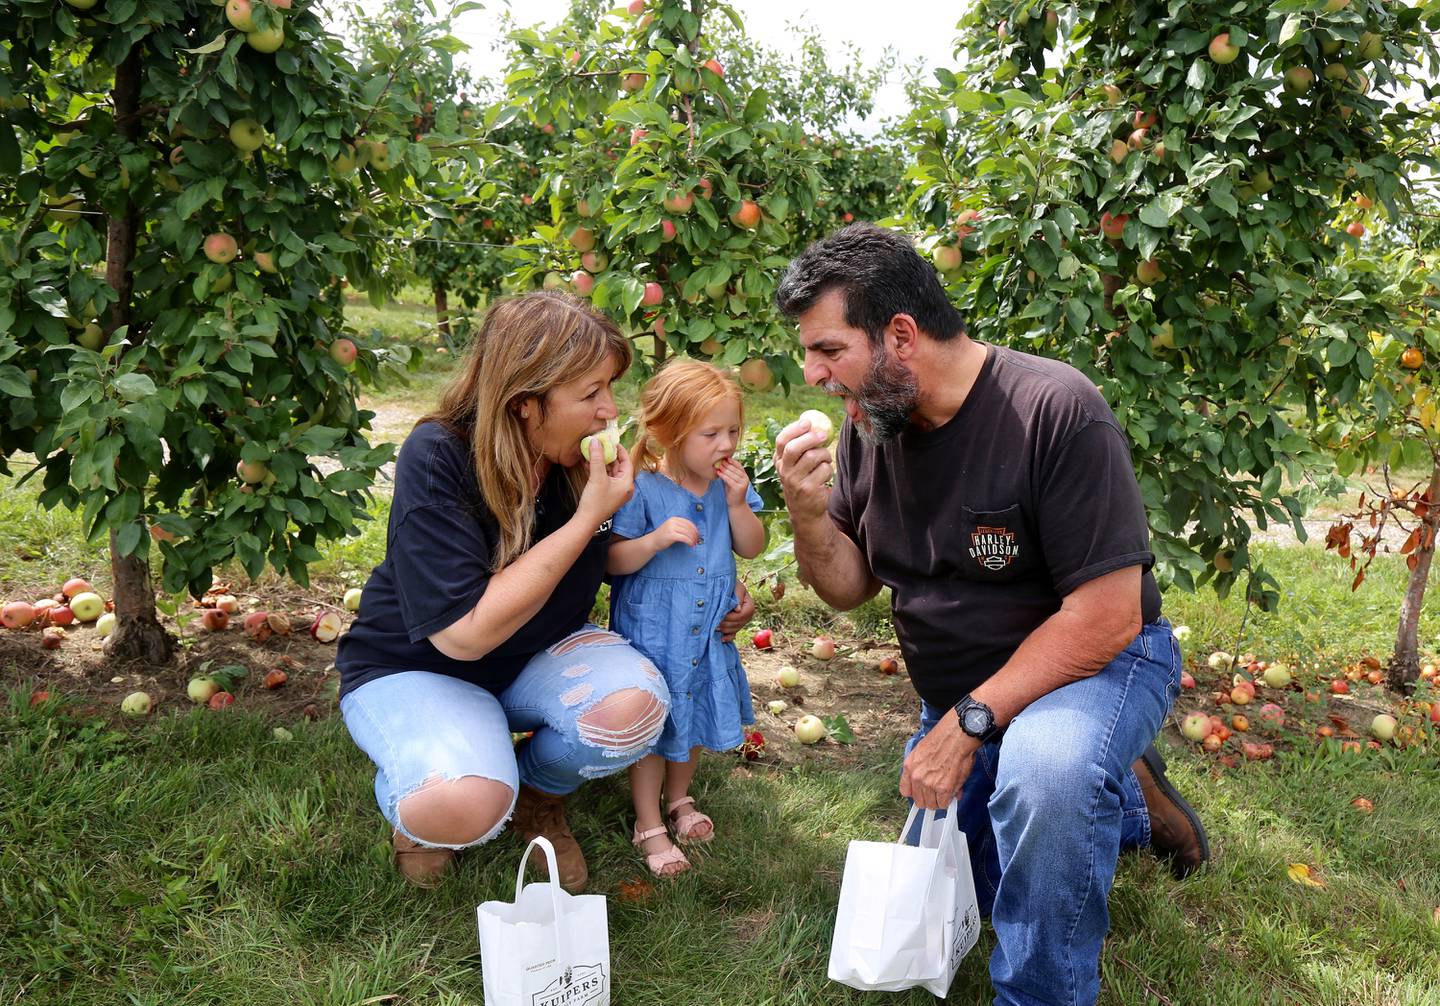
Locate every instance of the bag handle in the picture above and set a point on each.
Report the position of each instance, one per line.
(549, 850)
(928, 823)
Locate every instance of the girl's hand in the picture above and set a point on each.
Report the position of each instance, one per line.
(736, 480)
(676, 530)
(608, 487)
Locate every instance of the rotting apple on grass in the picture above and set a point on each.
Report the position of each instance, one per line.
(787, 676)
(136, 704)
(215, 620)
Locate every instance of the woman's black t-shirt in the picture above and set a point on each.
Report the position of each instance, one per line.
(437, 564)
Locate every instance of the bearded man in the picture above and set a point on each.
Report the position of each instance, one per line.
(993, 492)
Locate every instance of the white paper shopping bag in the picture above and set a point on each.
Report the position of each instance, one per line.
(549, 948)
(907, 914)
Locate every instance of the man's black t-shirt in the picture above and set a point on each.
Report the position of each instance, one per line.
(437, 564)
(982, 526)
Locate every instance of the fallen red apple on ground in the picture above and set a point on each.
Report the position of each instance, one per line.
(257, 626)
(51, 638)
(17, 614)
(60, 614)
(1187, 680)
(823, 648)
(764, 639)
(275, 678)
(221, 700)
(889, 665)
(74, 586)
(1195, 727)
(214, 620)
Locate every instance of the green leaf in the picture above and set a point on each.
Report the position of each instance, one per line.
(133, 387)
(14, 383)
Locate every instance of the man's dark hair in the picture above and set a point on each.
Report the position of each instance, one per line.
(882, 275)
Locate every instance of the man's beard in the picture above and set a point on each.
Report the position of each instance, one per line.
(887, 397)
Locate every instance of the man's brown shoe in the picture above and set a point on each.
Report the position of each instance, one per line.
(1175, 829)
(422, 865)
(538, 813)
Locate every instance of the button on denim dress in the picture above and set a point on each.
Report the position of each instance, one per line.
(670, 610)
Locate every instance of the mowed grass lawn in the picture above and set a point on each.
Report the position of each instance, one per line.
(194, 858)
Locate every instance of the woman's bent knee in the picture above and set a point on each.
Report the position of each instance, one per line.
(455, 812)
(629, 718)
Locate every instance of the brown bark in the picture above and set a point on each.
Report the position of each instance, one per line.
(138, 634)
(1405, 661)
(442, 312)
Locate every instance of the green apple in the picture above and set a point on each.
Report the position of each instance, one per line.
(88, 606)
(819, 423)
(82, 4)
(92, 338)
(200, 690)
(1220, 661)
(1276, 676)
(810, 729)
(1195, 727)
(105, 624)
(379, 151)
(352, 599)
(787, 676)
(345, 163)
(136, 704)
(267, 39)
(608, 439)
(1382, 727)
(246, 134)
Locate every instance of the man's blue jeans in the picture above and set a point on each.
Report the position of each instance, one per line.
(1048, 807)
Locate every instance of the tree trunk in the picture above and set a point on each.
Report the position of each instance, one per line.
(138, 634)
(442, 312)
(1405, 661)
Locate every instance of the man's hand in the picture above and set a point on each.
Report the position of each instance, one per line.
(938, 767)
(805, 470)
(736, 618)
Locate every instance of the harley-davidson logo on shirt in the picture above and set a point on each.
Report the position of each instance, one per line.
(993, 547)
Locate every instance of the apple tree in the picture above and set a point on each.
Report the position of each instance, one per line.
(674, 194)
(1163, 196)
(188, 187)
(1392, 438)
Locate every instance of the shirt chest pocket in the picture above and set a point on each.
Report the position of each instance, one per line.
(996, 545)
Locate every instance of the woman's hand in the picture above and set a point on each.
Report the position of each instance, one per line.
(736, 480)
(608, 487)
(739, 616)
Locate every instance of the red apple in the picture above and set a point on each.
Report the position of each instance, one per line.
(678, 202)
(76, 586)
(889, 665)
(1222, 51)
(637, 135)
(17, 614)
(1340, 686)
(228, 603)
(1356, 229)
(583, 282)
(1187, 680)
(326, 627)
(257, 626)
(51, 638)
(220, 700)
(215, 620)
(764, 639)
(582, 239)
(822, 648)
(713, 65)
(343, 352)
(1112, 225)
(667, 231)
(1143, 119)
(1195, 727)
(60, 614)
(654, 294)
(1273, 714)
(275, 678)
(746, 215)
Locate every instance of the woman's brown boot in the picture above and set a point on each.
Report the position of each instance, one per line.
(422, 865)
(538, 813)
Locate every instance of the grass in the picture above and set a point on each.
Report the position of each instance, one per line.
(196, 858)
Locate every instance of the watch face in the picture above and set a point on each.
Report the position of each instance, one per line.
(977, 721)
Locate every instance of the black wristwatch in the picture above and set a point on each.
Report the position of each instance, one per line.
(976, 719)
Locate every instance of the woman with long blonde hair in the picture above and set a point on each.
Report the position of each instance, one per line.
(476, 624)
